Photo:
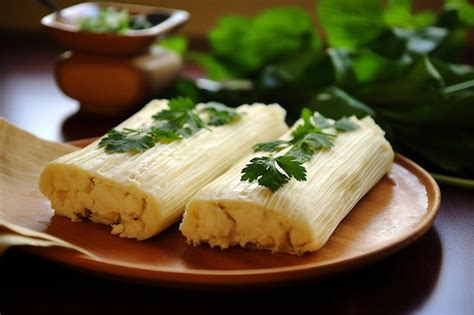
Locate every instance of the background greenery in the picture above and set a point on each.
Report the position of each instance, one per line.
(379, 59)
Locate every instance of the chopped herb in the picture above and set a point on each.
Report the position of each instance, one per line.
(181, 117)
(219, 114)
(180, 120)
(163, 135)
(316, 133)
(112, 20)
(344, 124)
(273, 172)
(127, 140)
(270, 146)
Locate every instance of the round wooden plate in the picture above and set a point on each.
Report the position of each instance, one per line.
(396, 212)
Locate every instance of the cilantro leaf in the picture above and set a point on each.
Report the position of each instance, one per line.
(265, 172)
(180, 117)
(126, 140)
(181, 104)
(318, 141)
(190, 124)
(219, 114)
(308, 138)
(344, 124)
(164, 135)
(301, 151)
(321, 122)
(254, 169)
(272, 146)
(177, 111)
(180, 120)
(292, 167)
(109, 20)
(305, 127)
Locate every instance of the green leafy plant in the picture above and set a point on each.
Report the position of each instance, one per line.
(286, 158)
(112, 20)
(377, 58)
(180, 120)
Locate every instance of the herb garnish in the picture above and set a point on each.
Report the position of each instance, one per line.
(316, 133)
(181, 120)
(113, 20)
(411, 70)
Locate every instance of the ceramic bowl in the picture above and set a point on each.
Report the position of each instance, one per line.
(65, 28)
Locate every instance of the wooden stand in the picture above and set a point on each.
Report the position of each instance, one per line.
(113, 85)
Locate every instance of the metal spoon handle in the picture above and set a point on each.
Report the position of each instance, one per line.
(51, 6)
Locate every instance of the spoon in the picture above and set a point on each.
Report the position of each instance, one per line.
(51, 6)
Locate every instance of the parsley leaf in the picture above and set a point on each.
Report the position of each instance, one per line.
(302, 152)
(180, 120)
(164, 135)
(126, 140)
(181, 104)
(273, 173)
(344, 124)
(191, 124)
(292, 167)
(180, 117)
(318, 141)
(321, 122)
(219, 114)
(305, 127)
(308, 138)
(270, 146)
(264, 170)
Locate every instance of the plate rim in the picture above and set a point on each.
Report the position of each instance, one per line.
(213, 277)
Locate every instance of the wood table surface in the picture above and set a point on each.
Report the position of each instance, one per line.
(435, 275)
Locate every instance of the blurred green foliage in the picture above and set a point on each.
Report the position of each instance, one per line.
(403, 68)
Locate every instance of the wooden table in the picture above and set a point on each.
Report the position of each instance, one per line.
(435, 275)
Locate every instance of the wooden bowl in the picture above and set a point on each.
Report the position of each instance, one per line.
(65, 28)
(114, 85)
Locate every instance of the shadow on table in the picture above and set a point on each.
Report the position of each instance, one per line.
(82, 125)
(401, 283)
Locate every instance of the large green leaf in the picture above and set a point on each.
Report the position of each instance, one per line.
(227, 40)
(214, 69)
(448, 149)
(450, 110)
(454, 73)
(335, 103)
(310, 70)
(177, 43)
(418, 82)
(298, 70)
(465, 9)
(350, 24)
(396, 43)
(369, 67)
(399, 13)
(246, 45)
(452, 47)
(344, 75)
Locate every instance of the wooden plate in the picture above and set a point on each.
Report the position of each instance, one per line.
(396, 212)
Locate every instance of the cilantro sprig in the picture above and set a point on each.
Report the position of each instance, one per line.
(180, 120)
(316, 133)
